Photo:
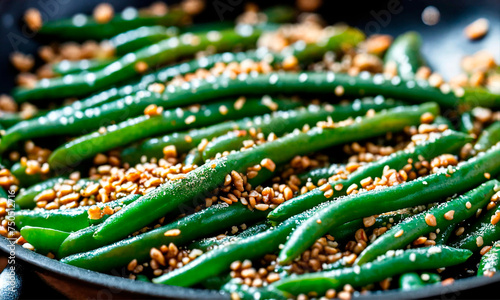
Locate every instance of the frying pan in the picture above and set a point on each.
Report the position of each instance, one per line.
(444, 45)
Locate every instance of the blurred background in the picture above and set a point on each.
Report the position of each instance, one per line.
(440, 22)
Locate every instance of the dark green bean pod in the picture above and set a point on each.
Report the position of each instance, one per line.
(153, 206)
(489, 137)
(388, 265)
(316, 174)
(213, 242)
(405, 52)
(232, 140)
(124, 68)
(26, 197)
(490, 262)
(25, 180)
(479, 234)
(81, 27)
(278, 122)
(420, 191)
(410, 229)
(62, 121)
(440, 120)
(9, 119)
(448, 142)
(199, 91)
(137, 128)
(444, 235)
(466, 123)
(343, 232)
(212, 219)
(64, 219)
(44, 240)
(480, 97)
(410, 281)
(85, 65)
(136, 39)
(193, 157)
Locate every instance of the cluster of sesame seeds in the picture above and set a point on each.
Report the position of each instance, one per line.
(249, 275)
(109, 182)
(163, 260)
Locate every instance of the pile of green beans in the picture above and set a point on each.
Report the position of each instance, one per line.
(245, 164)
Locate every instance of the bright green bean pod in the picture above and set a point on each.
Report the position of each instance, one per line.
(232, 140)
(145, 126)
(136, 39)
(81, 27)
(246, 292)
(213, 242)
(420, 191)
(466, 123)
(479, 234)
(62, 121)
(153, 206)
(448, 142)
(388, 265)
(44, 240)
(125, 68)
(316, 174)
(26, 197)
(405, 52)
(489, 137)
(417, 225)
(490, 262)
(212, 219)
(410, 281)
(85, 65)
(278, 122)
(64, 219)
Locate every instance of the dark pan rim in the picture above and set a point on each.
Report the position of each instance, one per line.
(168, 291)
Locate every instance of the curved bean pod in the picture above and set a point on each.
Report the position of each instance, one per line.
(448, 142)
(417, 192)
(489, 137)
(125, 68)
(152, 206)
(385, 266)
(405, 52)
(145, 126)
(490, 262)
(26, 197)
(82, 27)
(461, 208)
(44, 240)
(212, 219)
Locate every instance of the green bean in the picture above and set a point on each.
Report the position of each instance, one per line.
(448, 142)
(44, 240)
(315, 175)
(278, 122)
(26, 197)
(440, 120)
(405, 53)
(479, 234)
(125, 68)
(81, 27)
(444, 235)
(466, 122)
(70, 67)
(410, 281)
(62, 121)
(213, 242)
(25, 180)
(410, 229)
(489, 137)
(480, 97)
(388, 265)
(490, 262)
(218, 260)
(64, 219)
(348, 230)
(152, 206)
(138, 38)
(145, 126)
(212, 219)
(417, 192)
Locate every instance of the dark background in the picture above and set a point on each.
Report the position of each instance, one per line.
(444, 46)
